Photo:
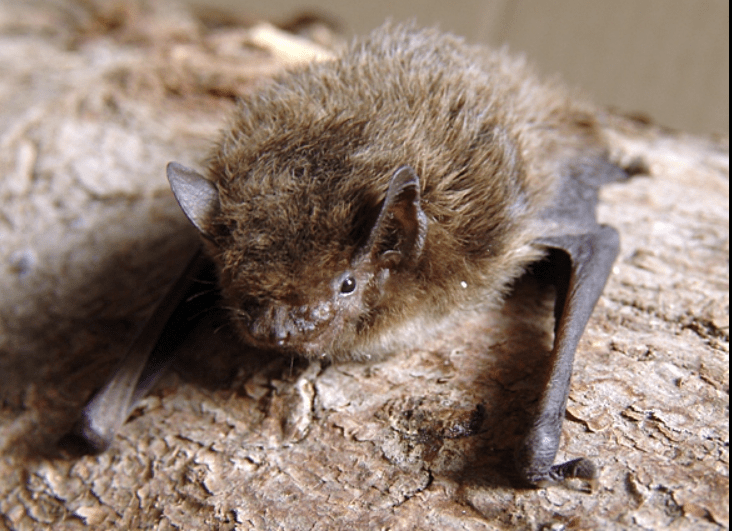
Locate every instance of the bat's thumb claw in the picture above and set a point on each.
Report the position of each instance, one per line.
(580, 468)
(83, 440)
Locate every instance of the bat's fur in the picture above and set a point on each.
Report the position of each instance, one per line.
(304, 168)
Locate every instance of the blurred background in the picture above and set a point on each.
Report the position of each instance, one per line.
(667, 60)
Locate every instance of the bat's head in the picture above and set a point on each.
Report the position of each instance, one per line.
(302, 271)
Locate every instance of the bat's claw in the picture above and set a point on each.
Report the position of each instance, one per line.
(84, 440)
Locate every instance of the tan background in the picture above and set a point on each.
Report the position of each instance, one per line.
(666, 59)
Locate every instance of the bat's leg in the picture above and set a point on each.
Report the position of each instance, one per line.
(580, 265)
(147, 358)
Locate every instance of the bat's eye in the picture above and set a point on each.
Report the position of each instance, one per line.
(348, 285)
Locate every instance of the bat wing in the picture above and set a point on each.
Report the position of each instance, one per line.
(580, 258)
(580, 265)
(146, 360)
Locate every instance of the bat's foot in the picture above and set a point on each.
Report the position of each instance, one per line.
(580, 468)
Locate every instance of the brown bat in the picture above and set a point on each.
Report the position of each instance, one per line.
(357, 206)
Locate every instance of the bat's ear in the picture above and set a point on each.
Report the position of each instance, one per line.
(397, 238)
(197, 196)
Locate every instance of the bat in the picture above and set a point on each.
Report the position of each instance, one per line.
(356, 206)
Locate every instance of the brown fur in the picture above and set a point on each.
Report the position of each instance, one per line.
(305, 166)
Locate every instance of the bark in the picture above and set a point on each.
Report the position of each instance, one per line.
(94, 101)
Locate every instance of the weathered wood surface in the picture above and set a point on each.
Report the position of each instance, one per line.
(94, 102)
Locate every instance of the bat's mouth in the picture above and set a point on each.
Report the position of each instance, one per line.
(317, 347)
(307, 332)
